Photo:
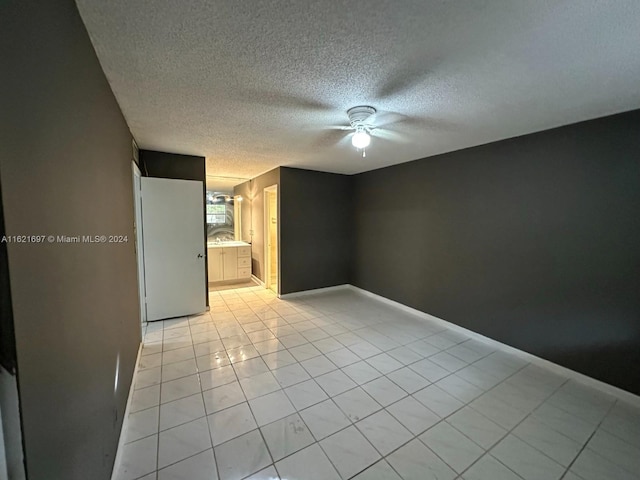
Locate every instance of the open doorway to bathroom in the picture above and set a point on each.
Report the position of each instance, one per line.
(271, 237)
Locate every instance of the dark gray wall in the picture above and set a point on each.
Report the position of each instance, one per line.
(253, 191)
(532, 241)
(173, 165)
(315, 229)
(7, 336)
(181, 167)
(65, 158)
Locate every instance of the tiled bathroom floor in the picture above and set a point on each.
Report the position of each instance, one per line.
(339, 386)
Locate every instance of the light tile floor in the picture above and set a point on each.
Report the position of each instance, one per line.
(340, 386)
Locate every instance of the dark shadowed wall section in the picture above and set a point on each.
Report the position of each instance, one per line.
(532, 241)
(65, 158)
(315, 229)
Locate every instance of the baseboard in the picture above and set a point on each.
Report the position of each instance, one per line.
(123, 432)
(257, 280)
(541, 362)
(314, 291)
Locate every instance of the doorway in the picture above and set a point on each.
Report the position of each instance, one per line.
(137, 226)
(271, 238)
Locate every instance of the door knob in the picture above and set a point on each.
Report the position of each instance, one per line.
(199, 255)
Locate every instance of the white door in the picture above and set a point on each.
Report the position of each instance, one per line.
(174, 263)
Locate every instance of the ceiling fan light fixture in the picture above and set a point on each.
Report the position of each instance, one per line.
(361, 139)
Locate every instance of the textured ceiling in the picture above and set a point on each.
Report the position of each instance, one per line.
(253, 84)
(223, 184)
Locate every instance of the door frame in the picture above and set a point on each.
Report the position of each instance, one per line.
(139, 236)
(266, 225)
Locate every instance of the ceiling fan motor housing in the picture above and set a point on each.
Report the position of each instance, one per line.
(358, 115)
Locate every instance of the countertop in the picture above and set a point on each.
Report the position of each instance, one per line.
(227, 244)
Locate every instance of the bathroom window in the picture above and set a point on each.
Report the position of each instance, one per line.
(216, 214)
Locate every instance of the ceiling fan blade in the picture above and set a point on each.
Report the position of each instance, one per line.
(382, 118)
(428, 123)
(330, 137)
(339, 127)
(394, 120)
(282, 100)
(407, 76)
(389, 135)
(344, 141)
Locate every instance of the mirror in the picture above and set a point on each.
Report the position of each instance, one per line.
(224, 209)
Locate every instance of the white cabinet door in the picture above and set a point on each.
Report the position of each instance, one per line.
(216, 266)
(230, 259)
(173, 232)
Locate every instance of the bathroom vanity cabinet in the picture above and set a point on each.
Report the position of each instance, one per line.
(229, 261)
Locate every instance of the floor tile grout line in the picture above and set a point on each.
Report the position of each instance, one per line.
(510, 432)
(255, 421)
(595, 428)
(338, 368)
(330, 435)
(559, 407)
(182, 460)
(352, 423)
(160, 404)
(451, 373)
(264, 440)
(341, 368)
(442, 419)
(614, 433)
(486, 451)
(204, 406)
(586, 443)
(259, 428)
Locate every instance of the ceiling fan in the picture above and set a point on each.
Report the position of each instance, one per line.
(366, 122)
